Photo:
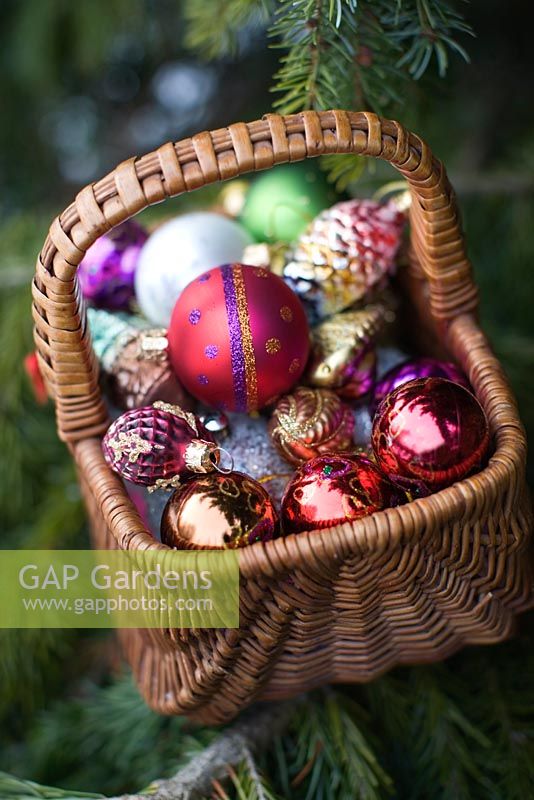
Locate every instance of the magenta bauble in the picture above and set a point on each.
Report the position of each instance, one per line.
(414, 368)
(430, 431)
(238, 337)
(156, 445)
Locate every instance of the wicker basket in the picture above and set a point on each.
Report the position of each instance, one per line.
(406, 585)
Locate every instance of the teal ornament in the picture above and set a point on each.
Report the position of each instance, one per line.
(111, 331)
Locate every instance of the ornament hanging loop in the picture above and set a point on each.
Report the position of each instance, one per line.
(225, 470)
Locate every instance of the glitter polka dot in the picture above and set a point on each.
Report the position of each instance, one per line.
(273, 346)
(261, 273)
(286, 314)
(205, 277)
(295, 365)
(211, 351)
(194, 316)
(203, 379)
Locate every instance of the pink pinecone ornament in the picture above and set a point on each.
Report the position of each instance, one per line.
(155, 445)
(346, 253)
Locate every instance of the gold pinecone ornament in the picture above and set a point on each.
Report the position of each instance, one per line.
(346, 253)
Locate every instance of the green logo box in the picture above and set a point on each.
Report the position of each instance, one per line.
(119, 589)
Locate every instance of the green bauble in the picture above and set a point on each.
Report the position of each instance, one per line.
(283, 201)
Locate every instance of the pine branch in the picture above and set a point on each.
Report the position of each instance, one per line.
(329, 755)
(215, 27)
(249, 783)
(444, 740)
(107, 739)
(234, 746)
(357, 55)
(18, 789)
(426, 29)
(317, 69)
(501, 703)
(462, 729)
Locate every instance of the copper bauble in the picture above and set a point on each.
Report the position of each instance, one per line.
(141, 373)
(309, 422)
(333, 489)
(431, 431)
(218, 511)
(343, 355)
(156, 445)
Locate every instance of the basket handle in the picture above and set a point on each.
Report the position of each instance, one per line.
(63, 344)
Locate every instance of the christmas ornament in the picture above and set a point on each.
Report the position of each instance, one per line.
(155, 445)
(333, 489)
(309, 422)
(414, 368)
(141, 373)
(255, 454)
(110, 332)
(238, 338)
(33, 371)
(177, 253)
(106, 273)
(218, 511)
(216, 422)
(430, 430)
(347, 252)
(270, 256)
(282, 202)
(232, 197)
(343, 355)
(134, 360)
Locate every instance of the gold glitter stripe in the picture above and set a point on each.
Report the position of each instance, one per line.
(246, 338)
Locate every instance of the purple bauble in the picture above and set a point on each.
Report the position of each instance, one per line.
(414, 368)
(106, 273)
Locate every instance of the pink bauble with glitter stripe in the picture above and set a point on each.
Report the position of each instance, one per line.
(238, 337)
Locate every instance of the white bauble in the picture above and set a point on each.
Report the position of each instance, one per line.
(177, 253)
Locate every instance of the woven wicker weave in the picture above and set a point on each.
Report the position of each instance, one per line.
(406, 585)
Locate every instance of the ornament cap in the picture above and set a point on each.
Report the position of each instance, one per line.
(201, 456)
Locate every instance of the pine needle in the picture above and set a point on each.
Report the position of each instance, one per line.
(11, 787)
(330, 754)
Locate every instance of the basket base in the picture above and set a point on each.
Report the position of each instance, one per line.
(410, 621)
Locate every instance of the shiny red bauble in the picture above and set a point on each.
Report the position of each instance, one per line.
(330, 490)
(238, 337)
(430, 430)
